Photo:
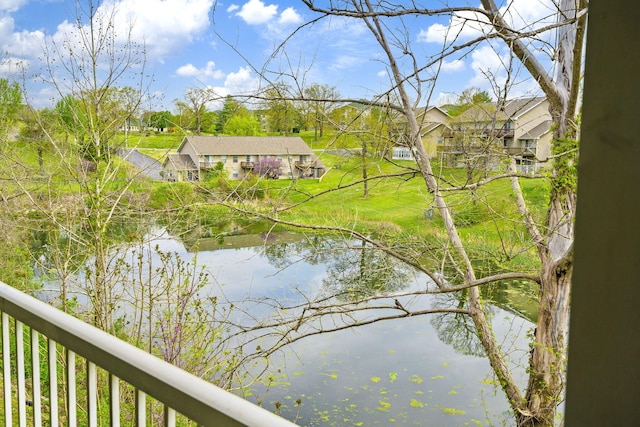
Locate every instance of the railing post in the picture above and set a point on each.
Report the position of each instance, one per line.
(169, 417)
(6, 368)
(141, 409)
(71, 389)
(22, 396)
(35, 378)
(114, 400)
(92, 395)
(53, 383)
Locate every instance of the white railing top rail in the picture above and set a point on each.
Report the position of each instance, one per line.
(189, 395)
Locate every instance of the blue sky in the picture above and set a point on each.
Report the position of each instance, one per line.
(188, 44)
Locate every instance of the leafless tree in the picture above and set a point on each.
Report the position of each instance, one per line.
(196, 102)
(552, 238)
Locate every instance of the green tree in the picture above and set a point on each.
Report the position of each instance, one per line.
(160, 120)
(468, 98)
(36, 125)
(320, 99)
(10, 105)
(229, 109)
(242, 123)
(280, 110)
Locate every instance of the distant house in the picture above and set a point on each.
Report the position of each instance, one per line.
(433, 123)
(520, 129)
(239, 156)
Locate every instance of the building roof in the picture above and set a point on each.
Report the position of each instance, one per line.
(538, 131)
(247, 145)
(488, 112)
(180, 162)
(516, 107)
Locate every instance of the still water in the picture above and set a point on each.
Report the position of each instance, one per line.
(421, 370)
(412, 371)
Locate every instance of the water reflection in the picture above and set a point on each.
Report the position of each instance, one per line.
(424, 370)
(412, 371)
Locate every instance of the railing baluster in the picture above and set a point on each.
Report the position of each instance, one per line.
(6, 368)
(114, 401)
(35, 378)
(141, 408)
(53, 383)
(169, 417)
(71, 389)
(92, 394)
(22, 395)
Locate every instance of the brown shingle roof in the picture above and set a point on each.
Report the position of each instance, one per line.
(180, 162)
(247, 145)
(516, 107)
(538, 131)
(486, 112)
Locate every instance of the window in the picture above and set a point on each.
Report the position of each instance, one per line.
(223, 159)
(247, 158)
(529, 143)
(235, 174)
(208, 158)
(235, 159)
(303, 158)
(280, 158)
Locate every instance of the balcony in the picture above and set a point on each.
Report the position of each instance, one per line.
(521, 151)
(498, 133)
(54, 342)
(247, 165)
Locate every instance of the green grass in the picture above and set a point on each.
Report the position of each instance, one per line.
(156, 141)
(487, 219)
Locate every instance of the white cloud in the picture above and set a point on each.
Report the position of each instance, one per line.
(23, 44)
(241, 82)
(238, 83)
(451, 66)
(209, 72)
(489, 66)
(345, 61)
(520, 14)
(11, 5)
(255, 12)
(232, 8)
(462, 26)
(289, 16)
(164, 26)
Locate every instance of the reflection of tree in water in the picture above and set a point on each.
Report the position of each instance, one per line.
(456, 329)
(354, 269)
(359, 271)
(313, 249)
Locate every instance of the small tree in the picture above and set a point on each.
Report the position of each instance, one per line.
(195, 103)
(10, 105)
(268, 167)
(160, 120)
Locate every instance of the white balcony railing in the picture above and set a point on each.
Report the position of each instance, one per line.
(46, 392)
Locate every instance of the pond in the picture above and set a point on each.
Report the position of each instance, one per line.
(422, 370)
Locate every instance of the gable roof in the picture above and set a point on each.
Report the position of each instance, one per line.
(488, 112)
(246, 145)
(179, 162)
(538, 130)
(517, 107)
